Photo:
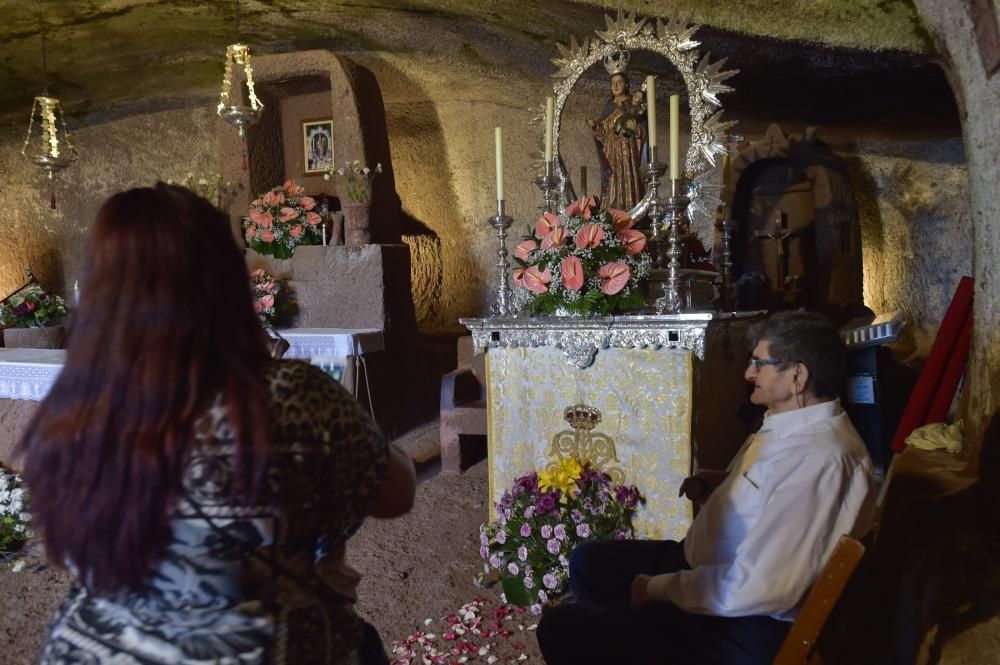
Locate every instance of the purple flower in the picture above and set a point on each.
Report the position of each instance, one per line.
(528, 483)
(549, 580)
(546, 502)
(542, 596)
(525, 530)
(528, 582)
(629, 495)
(501, 536)
(522, 553)
(559, 532)
(484, 552)
(495, 561)
(620, 535)
(546, 531)
(512, 568)
(535, 609)
(576, 515)
(583, 530)
(529, 512)
(483, 538)
(552, 546)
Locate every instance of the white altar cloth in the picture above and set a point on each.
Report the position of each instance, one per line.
(28, 374)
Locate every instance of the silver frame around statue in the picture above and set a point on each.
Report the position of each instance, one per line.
(704, 81)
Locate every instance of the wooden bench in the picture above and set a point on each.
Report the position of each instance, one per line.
(799, 646)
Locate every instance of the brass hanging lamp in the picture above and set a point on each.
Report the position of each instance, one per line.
(240, 116)
(50, 147)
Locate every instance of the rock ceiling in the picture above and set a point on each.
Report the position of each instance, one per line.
(108, 54)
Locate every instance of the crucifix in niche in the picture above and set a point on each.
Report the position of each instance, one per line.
(780, 235)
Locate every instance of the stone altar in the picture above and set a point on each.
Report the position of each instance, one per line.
(668, 388)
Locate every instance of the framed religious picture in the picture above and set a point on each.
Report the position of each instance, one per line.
(317, 145)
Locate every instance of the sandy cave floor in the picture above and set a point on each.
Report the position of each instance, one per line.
(417, 567)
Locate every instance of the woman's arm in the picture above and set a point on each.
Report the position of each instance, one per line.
(394, 496)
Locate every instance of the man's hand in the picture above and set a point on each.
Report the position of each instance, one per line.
(640, 592)
(701, 485)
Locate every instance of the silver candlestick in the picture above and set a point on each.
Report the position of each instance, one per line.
(547, 183)
(501, 222)
(728, 228)
(654, 171)
(672, 300)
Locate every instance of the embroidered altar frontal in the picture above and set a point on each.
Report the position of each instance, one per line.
(645, 399)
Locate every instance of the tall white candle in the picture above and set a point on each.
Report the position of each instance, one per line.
(324, 233)
(549, 112)
(499, 141)
(675, 137)
(651, 109)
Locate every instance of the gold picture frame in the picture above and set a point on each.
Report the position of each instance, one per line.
(317, 146)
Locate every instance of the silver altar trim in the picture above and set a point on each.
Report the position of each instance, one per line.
(581, 338)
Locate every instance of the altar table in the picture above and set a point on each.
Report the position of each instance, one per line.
(27, 374)
(667, 387)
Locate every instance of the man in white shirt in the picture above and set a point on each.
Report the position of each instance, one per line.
(727, 594)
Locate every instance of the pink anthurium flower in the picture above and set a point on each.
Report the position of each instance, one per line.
(621, 219)
(287, 214)
(524, 249)
(581, 207)
(555, 238)
(572, 273)
(266, 236)
(296, 231)
(518, 274)
(633, 240)
(261, 218)
(307, 202)
(292, 189)
(273, 199)
(250, 235)
(545, 224)
(257, 307)
(267, 301)
(313, 219)
(257, 202)
(536, 280)
(589, 235)
(614, 276)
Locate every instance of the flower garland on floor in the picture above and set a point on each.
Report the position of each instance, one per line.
(584, 261)
(479, 632)
(282, 219)
(539, 521)
(15, 521)
(32, 307)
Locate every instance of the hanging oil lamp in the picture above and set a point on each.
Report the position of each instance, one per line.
(50, 147)
(239, 115)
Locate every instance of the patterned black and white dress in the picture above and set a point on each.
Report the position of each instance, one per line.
(249, 582)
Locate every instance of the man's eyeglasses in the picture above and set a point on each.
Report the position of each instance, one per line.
(757, 363)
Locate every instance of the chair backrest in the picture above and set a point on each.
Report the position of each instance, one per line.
(798, 646)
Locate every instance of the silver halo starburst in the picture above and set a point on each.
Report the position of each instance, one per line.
(703, 78)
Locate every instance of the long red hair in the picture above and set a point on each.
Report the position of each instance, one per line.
(165, 325)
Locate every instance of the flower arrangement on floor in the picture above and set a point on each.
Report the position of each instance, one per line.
(584, 261)
(359, 179)
(15, 521)
(32, 307)
(542, 517)
(281, 219)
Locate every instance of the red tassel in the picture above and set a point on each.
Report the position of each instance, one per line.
(243, 161)
(52, 200)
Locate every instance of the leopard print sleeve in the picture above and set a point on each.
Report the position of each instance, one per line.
(354, 456)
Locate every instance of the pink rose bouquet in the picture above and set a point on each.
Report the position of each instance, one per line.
(282, 219)
(541, 518)
(583, 261)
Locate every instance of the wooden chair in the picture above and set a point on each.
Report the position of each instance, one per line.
(799, 646)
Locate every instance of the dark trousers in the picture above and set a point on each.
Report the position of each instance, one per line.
(598, 624)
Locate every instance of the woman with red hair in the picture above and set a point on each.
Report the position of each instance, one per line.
(200, 493)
